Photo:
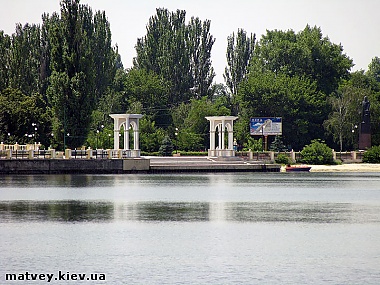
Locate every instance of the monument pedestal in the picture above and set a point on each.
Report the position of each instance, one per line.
(365, 135)
(364, 141)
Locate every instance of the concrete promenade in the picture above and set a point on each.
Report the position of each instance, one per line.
(209, 164)
(133, 165)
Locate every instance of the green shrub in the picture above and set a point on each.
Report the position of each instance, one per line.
(317, 153)
(282, 159)
(372, 155)
(166, 148)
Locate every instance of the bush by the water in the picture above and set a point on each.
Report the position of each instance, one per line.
(372, 155)
(317, 153)
(282, 159)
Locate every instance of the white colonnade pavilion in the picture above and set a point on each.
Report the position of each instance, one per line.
(219, 125)
(127, 121)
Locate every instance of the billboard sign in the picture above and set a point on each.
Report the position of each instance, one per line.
(261, 126)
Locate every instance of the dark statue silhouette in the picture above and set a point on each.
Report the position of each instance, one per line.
(365, 126)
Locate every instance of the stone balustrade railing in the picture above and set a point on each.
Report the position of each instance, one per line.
(23, 147)
(68, 154)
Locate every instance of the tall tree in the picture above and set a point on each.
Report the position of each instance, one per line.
(200, 43)
(5, 45)
(239, 53)
(178, 52)
(25, 59)
(71, 89)
(82, 65)
(374, 69)
(105, 56)
(163, 51)
(338, 122)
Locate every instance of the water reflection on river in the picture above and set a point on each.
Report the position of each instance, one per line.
(271, 228)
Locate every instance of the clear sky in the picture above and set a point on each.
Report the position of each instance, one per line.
(353, 23)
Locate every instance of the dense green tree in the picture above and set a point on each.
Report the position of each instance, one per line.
(374, 69)
(239, 53)
(339, 123)
(5, 44)
(296, 100)
(152, 91)
(106, 58)
(48, 23)
(82, 64)
(305, 54)
(24, 118)
(199, 44)
(163, 51)
(25, 59)
(178, 52)
(291, 76)
(151, 136)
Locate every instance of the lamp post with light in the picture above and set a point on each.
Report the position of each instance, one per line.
(176, 140)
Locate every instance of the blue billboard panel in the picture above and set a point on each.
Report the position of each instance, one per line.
(262, 126)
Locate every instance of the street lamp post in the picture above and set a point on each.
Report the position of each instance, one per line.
(52, 138)
(176, 140)
(97, 138)
(34, 126)
(68, 135)
(354, 128)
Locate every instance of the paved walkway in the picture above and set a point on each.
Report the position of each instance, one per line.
(207, 164)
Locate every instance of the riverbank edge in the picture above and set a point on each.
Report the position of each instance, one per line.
(129, 165)
(346, 167)
(349, 167)
(157, 165)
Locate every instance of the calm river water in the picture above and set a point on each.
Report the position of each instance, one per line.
(260, 228)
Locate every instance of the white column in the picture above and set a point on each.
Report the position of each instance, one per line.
(230, 140)
(212, 139)
(212, 135)
(223, 133)
(136, 139)
(126, 134)
(219, 137)
(116, 133)
(126, 138)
